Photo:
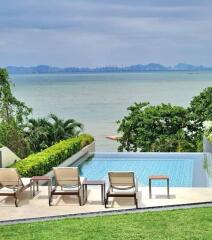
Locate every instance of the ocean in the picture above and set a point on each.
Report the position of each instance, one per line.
(99, 100)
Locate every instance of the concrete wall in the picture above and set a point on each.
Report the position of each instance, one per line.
(207, 146)
(7, 157)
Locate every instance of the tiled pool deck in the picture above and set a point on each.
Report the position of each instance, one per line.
(37, 207)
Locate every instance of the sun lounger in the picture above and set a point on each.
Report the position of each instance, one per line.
(121, 184)
(11, 184)
(67, 182)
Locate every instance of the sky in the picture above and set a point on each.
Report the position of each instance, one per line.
(105, 32)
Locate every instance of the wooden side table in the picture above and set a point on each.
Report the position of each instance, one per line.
(35, 180)
(158, 177)
(93, 183)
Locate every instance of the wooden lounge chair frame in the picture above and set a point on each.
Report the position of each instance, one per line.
(66, 176)
(10, 178)
(122, 185)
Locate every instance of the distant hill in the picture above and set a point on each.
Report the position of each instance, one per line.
(133, 68)
(189, 67)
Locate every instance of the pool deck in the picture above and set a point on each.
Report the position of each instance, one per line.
(37, 207)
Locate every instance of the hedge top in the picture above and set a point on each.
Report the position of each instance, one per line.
(42, 162)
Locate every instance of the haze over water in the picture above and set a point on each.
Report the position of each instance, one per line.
(99, 100)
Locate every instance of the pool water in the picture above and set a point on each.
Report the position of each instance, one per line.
(179, 168)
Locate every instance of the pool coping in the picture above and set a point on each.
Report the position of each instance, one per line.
(107, 213)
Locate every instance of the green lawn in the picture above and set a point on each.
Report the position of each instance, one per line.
(176, 224)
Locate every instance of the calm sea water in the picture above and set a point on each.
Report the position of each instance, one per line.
(99, 100)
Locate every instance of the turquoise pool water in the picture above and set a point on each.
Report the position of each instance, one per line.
(179, 169)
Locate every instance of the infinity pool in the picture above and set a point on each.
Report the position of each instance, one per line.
(184, 170)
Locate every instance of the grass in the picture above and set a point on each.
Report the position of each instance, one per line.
(176, 224)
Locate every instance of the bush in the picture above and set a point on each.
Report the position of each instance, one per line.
(208, 130)
(208, 134)
(157, 128)
(12, 136)
(42, 162)
(201, 107)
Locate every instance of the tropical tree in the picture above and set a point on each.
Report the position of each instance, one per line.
(13, 114)
(37, 131)
(157, 128)
(42, 133)
(208, 132)
(63, 129)
(11, 109)
(12, 136)
(201, 108)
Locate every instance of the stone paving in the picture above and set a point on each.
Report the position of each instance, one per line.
(36, 207)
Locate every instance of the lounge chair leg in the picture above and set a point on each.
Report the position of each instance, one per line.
(50, 200)
(106, 201)
(16, 200)
(136, 201)
(79, 200)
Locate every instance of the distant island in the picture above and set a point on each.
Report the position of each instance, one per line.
(110, 69)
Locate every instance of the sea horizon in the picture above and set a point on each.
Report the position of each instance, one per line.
(136, 68)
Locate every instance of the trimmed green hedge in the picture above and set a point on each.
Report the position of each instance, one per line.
(40, 163)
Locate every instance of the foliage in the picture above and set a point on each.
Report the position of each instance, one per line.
(42, 162)
(208, 134)
(63, 129)
(37, 133)
(10, 107)
(156, 128)
(208, 130)
(13, 113)
(201, 107)
(42, 133)
(12, 136)
(165, 127)
(178, 224)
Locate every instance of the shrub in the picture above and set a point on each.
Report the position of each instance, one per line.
(12, 136)
(208, 134)
(201, 107)
(157, 128)
(208, 130)
(42, 162)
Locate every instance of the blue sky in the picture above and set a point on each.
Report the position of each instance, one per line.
(105, 32)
